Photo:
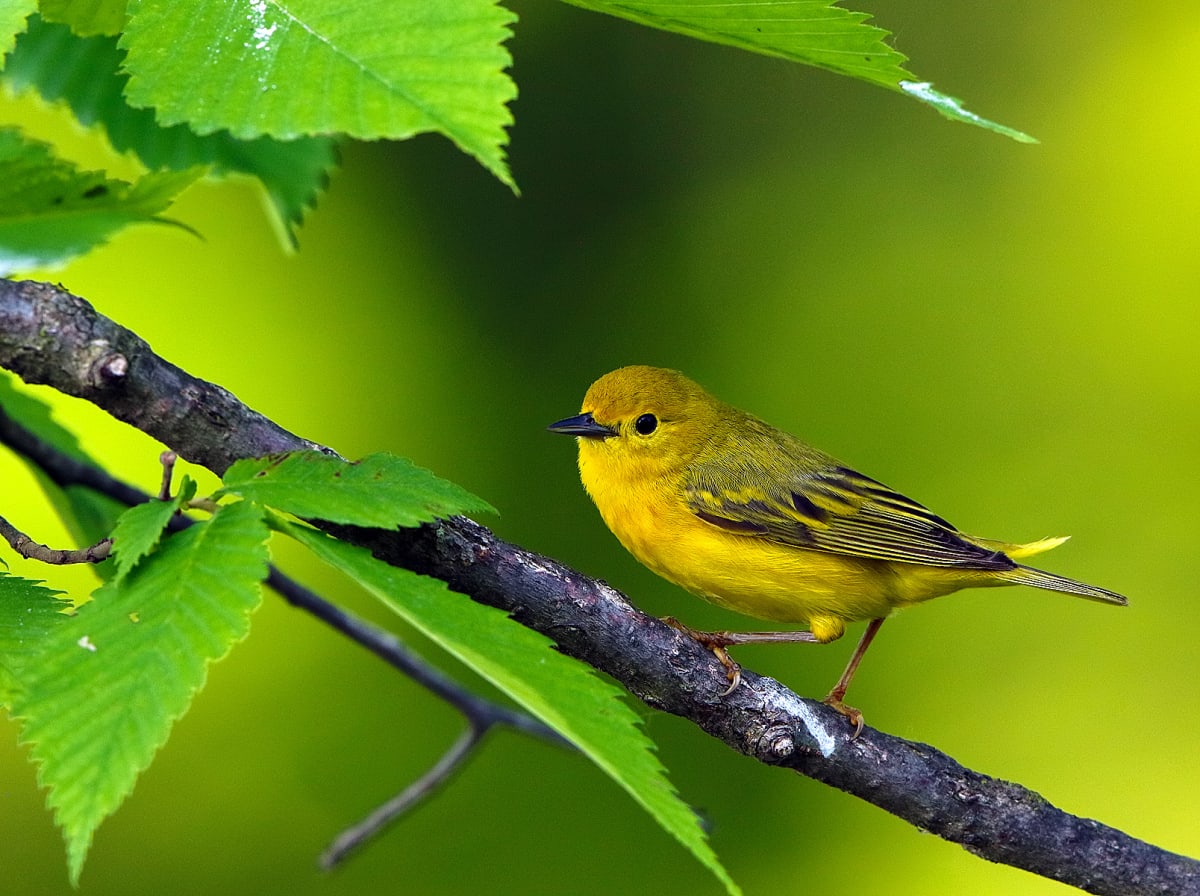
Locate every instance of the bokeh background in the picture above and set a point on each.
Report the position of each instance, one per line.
(1007, 333)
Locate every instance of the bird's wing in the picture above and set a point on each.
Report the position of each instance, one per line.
(824, 506)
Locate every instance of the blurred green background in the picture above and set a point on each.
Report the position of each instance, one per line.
(1006, 333)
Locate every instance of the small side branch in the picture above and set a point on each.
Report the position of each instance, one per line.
(31, 550)
(479, 712)
(412, 796)
(482, 715)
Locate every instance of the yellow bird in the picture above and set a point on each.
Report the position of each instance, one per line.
(753, 519)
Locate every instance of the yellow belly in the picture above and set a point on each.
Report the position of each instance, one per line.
(766, 580)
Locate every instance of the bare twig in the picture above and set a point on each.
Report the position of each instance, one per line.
(31, 550)
(481, 715)
(167, 459)
(994, 819)
(479, 711)
(416, 793)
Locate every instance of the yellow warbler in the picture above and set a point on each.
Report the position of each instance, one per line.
(753, 519)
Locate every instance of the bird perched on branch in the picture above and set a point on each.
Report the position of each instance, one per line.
(755, 520)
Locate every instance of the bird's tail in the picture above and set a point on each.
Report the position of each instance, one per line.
(1027, 575)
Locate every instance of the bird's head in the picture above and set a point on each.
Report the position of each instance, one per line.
(640, 422)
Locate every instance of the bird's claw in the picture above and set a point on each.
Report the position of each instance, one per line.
(733, 672)
(854, 716)
(716, 642)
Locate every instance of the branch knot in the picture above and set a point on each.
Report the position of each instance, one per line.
(110, 370)
(776, 744)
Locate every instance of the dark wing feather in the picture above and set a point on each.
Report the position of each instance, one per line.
(803, 498)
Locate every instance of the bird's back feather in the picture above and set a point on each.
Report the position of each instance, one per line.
(791, 494)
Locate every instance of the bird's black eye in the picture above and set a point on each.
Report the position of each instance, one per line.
(645, 424)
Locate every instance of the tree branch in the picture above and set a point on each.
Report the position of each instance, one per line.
(49, 337)
(994, 819)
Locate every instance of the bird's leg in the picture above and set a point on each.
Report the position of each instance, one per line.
(718, 641)
(834, 698)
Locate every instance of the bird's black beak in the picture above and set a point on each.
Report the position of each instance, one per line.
(583, 425)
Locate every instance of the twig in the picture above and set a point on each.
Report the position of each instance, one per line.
(481, 715)
(477, 710)
(31, 550)
(416, 793)
(994, 819)
(167, 459)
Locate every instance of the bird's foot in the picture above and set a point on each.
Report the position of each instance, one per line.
(834, 701)
(716, 642)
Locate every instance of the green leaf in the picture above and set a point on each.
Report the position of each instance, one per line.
(557, 689)
(371, 69)
(86, 17)
(139, 529)
(13, 14)
(380, 490)
(111, 681)
(29, 612)
(86, 74)
(812, 32)
(50, 211)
